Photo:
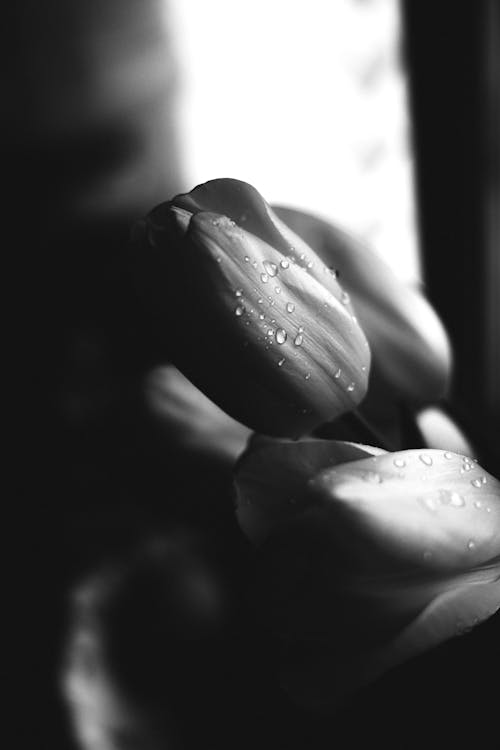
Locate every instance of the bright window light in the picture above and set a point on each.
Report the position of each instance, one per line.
(307, 101)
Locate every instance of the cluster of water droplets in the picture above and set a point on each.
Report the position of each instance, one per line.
(273, 334)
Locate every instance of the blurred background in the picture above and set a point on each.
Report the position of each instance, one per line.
(379, 115)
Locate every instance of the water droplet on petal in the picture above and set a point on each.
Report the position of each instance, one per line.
(372, 477)
(399, 462)
(345, 298)
(271, 268)
(302, 256)
(310, 264)
(471, 545)
(277, 289)
(281, 335)
(290, 307)
(246, 259)
(483, 480)
(238, 292)
(239, 310)
(254, 264)
(448, 455)
(281, 362)
(264, 278)
(351, 387)
(338, 374)
(427, 460)
(456, 500)
(218, 259)
(307, 376)
(298, 340)
(478, 504)
(262, 316)
(429, 502)
(284, 263)
(476, 482)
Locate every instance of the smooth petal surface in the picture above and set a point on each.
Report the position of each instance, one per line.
(386, 557)
(409, 344)
(271, 479)
(247, 321)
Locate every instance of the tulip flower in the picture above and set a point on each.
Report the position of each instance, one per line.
(248, 311)
(369, 561)
(411, 352)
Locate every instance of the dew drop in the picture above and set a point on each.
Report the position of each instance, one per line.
(448, 455)
(456, 500)
(298, 339)
(467, 467)
(277, 289)
(302, 256)
(290, 307)
(281, 335)
(344, 298)
(264, 278)
(270, 331)
(429, 503)
(476, 482)
(238, 292)
(271, 268)
(351, 387)
(338, 374)
(488, 509)
(284, 264)
(239, 310)
(218, 259)
(254, 264)
(478, 504)
(307, 376)
(471, 545)
(260, 301)
(262, 316)
(399, 462)
(246, 259)
(427, 460)
(310, 264)
(372, 477)
(483, 480)
(281, 362)
(333, 272)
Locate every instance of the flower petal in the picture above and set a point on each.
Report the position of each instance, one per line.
(195, 422)
(272, 475)
(428, 508)
(410, 346)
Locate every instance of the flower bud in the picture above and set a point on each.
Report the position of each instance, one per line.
(247, 311)
(385, 557)
(410, 348)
